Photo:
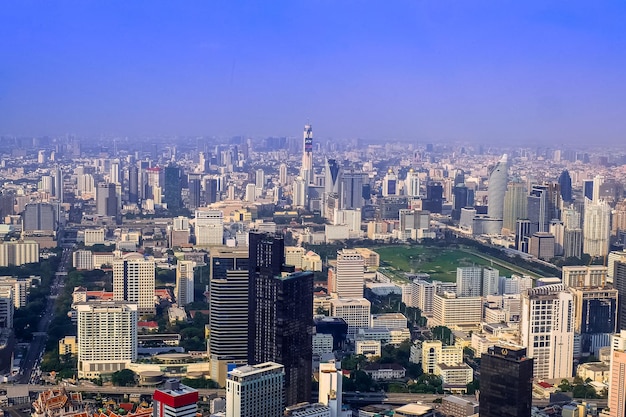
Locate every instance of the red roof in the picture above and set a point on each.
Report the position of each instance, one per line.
(544, 384)
(151, 324)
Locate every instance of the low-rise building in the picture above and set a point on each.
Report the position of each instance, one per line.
(385, 371)
(452, 406)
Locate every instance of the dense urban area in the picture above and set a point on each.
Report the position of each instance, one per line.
(303, 277)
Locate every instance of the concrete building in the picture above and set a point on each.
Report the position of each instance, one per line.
(355, 312)
(256, 391)
(458, 407)
(541, 245)
(617, 383)
(596, 228)
(330, 386)
(19, 253)
(450, 310)
(593, 276)
(209, 227)
(133, 281)
(107, 337)
(175, 400)
(434, 352)
(547, 330)
(349, 274)
(184, 282)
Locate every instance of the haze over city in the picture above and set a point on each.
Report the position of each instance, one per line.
(483, 72)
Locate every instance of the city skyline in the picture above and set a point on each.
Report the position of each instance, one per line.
(429, 72)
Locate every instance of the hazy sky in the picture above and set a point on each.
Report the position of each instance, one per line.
(485, 71)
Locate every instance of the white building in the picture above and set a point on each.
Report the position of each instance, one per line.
(450, 310)
(294, 255)
(330, 386)
(307, 410)
(355, 312)
(94, 237)
(255, 391)
(19, 253)
(107, 337)
(349, 274)
(184, 282)
(368, 348)
(593, 276)
(82, 260)
(133, 281)
(209, 227)
(7, 306)
(389, 321)
(322, 343)
(175, 400)
(596, 228)
(547, 330)
(435, 352)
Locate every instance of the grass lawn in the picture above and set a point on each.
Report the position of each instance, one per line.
(439, 263)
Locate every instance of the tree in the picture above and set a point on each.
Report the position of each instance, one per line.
(123, 378)
(442, 333)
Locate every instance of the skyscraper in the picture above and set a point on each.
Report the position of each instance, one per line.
(515, 205)
(565, 183)
(228, 310)
(352, 190)
(184, 282)
(539, 210)
(107, 337)
(596, 228)
(617, 382)
(348, 279)
(619, 283)
(412, 184)
(209, 227)
(58, 184)
(133, 281)
(194, 183)
(498, 180)
(256, 391)
(390, 184)
(547, 330)
(172, 188)
(133, 184)
(306, 171)
(106, 199)
(332, 174)
(330, 390)
(505, 382)
(280, 322)
(39, 216)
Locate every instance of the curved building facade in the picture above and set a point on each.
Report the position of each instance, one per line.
(498, 179)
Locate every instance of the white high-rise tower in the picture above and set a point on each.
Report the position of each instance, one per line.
(498, 180)
(306, 171)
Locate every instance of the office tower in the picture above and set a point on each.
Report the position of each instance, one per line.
(106, 199)
(450, 310)
(593, 276)
(595, 318)
(209, 227)
(184, 282)
(172, 188)
(133, 184)
(7, 203)
(212, 193)
(498, 180)
(282, 174)
(228, 310)
(515, 205)
(330, 390)
(306, 170)
(469, 281)
(506, 382)
(46, 185)
(280, 322)
(175, 400)
(434, 198)
(133, 281)
(522, 234)
(332, 176)
(204, 159)
(19, 253)
(412, 184)
(547, 330)
(352, 190)
(250, 195)
(565, 183)
(299, 192)
(588, 189)
(619, 283)
(58, 184)
(539, 210)
(572, 243)
(354, 311)
(598, 180)
(557, 229)
(41, 157)
(259, 178)
(38, 217)
(194, 184)
(596, 228)
(541, 245)
(256, 391)
(390, 184)
(348, 279)
(617, 379)
(460, 201)
(107, 337)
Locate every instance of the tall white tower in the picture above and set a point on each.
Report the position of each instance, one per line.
(306, 171)
(256, 391)
(184, 282)
(412, 184)
(349, 274)
(133, 281)
(498, 180)
(596, 228)
(330, 381)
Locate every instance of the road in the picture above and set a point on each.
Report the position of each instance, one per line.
(35, 351)
(112, 390)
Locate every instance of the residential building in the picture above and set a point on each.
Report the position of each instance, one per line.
(617, 383)
(184, 282)
(349, 274)
(175, 400)
(133, 281)
(256, 391)
(450, 310)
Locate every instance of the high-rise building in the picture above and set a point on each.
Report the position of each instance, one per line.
(256, 391)
(39, 217)
(541, 245)
(107, 337)
(172, 188)
(332, 175)
(352, 190)
(434, 198)
(412, 184)
(133, 184)
(282, 174)
(348, 279)
(58, 184)
(596, 228)
(175, 400)
(515, 205)
(194, 183)
(133, 281)
(209, 227)
(598, 180)
(306, 171)
(390, 184)
(595, 318)
(330, 390)
(228, 310)
(565, 183)
(280, 322)
(474, 281)
(619, 283)
(539, 209)
(498, 180)
(593, 276)
(184, 282)
(547, 330)
(106, 199)
(617, 381)
(506, 382)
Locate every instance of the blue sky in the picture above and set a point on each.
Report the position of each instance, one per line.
(479, 71)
